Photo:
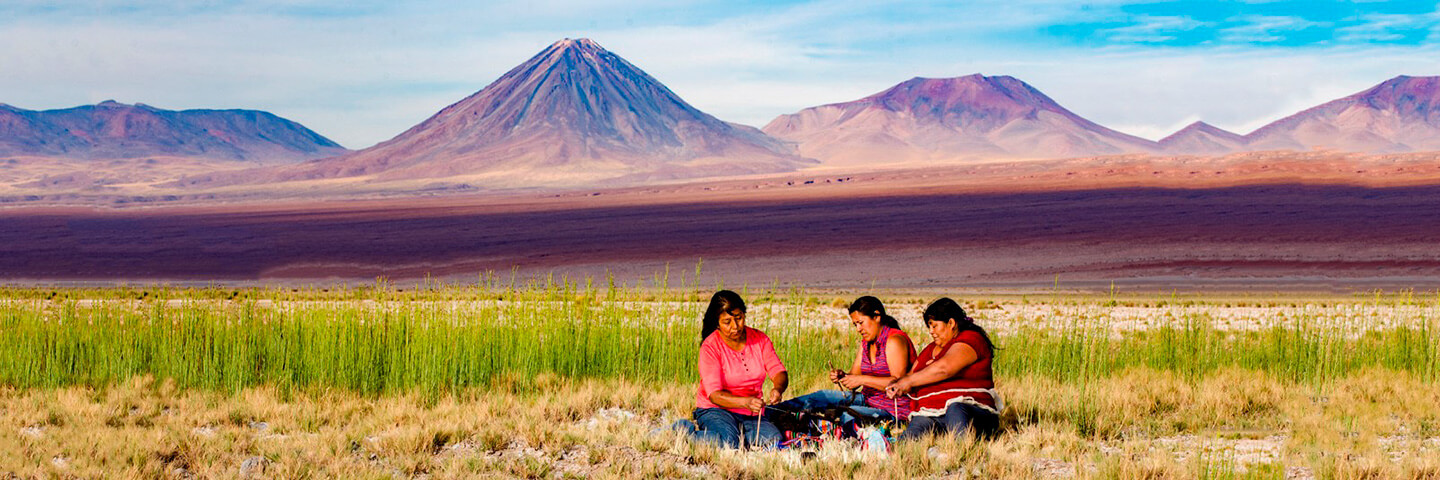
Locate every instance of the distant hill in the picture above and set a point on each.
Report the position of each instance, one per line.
(1201, 138)
(925, 119)
(1399, 115)
(575, 114)
(112, 130)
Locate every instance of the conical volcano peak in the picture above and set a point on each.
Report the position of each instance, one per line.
(577, 43)
(582, 88)
(572, 53)
(573, 114)
(582, 48)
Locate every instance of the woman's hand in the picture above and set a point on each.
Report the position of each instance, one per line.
(836, 374)
(898, 387)
(754, 404)
(851, 382)
(774, 397)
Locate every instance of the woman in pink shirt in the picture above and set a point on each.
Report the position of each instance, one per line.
(734, 363)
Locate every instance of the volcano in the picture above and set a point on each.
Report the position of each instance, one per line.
(575, 114)
(1399, 115)
(936, 119)
(113, 130)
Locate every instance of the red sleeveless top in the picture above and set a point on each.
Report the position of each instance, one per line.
(973, 384)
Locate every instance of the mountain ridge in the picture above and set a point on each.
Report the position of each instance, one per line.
(1401, 114)
(924, 119)
(114, 130)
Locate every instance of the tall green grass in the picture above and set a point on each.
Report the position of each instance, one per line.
(435, 339)
(1307, 352)
(376, 344)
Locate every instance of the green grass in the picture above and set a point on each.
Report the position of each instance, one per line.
(372, 344)
(1307, 352)
(439, 338)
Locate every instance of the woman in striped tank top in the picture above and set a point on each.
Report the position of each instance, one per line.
(885, 354)
(951, 382)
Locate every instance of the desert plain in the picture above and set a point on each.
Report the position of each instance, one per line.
(1279, 221)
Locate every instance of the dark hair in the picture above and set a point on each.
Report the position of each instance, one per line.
(871, 307)
(722, 301)
(944, 309)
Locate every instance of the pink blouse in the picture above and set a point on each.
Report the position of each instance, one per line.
(741, 373)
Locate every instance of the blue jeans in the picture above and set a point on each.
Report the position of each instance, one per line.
(836, 398)
(958, 419)
(725, 428)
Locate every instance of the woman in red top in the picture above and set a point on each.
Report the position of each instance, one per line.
(734, 363)
(951, 381)
(884, 355)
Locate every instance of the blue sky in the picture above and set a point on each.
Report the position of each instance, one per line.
(361, 72)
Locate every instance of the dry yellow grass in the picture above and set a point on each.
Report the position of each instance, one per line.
(1139, 424)
(1192, 413)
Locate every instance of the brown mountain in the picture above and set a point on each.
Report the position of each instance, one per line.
(575, 114)
(1201, 138)
(1399, 115)
(111, 130)
(930, 119)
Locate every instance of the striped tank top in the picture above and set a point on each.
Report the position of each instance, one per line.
(880, 367)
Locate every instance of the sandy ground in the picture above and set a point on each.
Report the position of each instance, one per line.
(1083, 223)
(42, 181)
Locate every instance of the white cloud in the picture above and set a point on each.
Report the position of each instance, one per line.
(1386, 28)
(1152, 29)
(1265, 29)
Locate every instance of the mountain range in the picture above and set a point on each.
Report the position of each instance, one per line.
(113, 130)
(973, 117)
(576, 114)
